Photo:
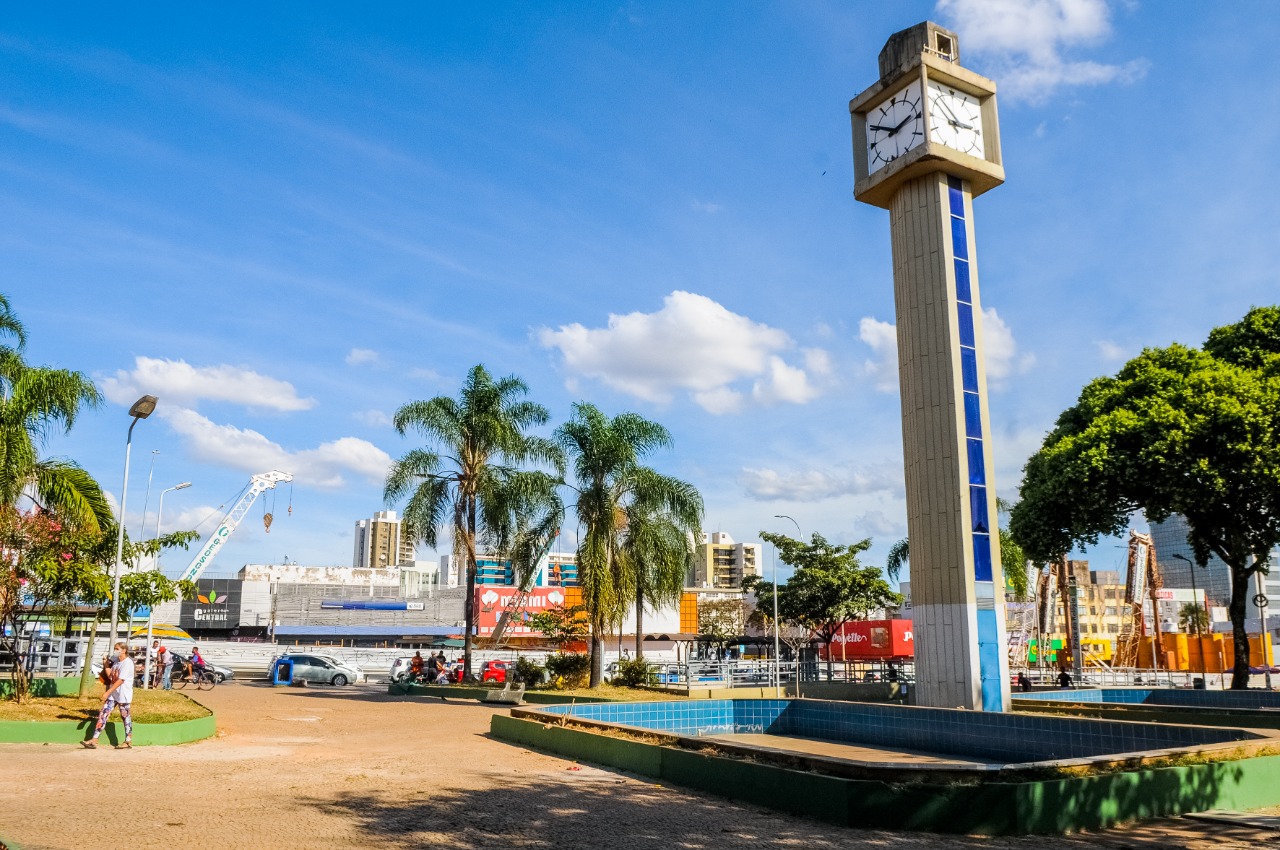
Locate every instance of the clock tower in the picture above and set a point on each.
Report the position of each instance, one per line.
(926, 142)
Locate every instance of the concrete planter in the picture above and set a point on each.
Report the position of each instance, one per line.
(75, 731)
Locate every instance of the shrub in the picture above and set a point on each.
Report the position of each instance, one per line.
(633, 672)
(528, 671)
(569, 670)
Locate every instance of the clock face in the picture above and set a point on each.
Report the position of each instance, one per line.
(955, 119)
(894, 127)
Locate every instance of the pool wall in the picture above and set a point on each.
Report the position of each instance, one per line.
(994, 736)
(1249, 709)
(990, 808)
(1162, 696)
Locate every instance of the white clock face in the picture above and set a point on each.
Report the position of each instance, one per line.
(894, 127)
(955, 119)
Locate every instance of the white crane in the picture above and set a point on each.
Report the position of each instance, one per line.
(258, 484)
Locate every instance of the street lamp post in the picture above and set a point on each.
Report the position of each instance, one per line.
(151, 614)
(142, 408)
(777, 651)
(1195, 606)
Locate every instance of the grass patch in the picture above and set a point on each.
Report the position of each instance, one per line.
(148, 707)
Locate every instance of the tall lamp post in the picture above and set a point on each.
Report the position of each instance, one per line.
(142, 408)
(777, 651)
(1195, 606)
(151, 614)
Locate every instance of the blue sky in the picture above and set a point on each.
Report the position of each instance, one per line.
(287, 223)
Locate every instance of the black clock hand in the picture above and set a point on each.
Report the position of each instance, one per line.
(881, 129)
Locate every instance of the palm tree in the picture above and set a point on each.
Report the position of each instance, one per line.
(657, 544)
(34, 401)
(468, 485)
(616, 498)
(899, 555)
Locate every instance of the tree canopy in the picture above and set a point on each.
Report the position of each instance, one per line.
(829, 585)
(1177, 430)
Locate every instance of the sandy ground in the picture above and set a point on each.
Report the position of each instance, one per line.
(354, 767)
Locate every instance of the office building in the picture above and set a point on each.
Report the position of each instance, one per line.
(380, 543)
(719, 562)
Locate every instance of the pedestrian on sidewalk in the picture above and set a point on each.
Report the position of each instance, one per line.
(119, 694)
(165, 660)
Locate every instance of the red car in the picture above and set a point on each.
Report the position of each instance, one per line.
(494, 671)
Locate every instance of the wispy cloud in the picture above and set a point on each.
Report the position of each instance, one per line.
(695, 345)
(177, 382)
(814, 485)
(1111, 352)
(361, 357)
(1027, 43)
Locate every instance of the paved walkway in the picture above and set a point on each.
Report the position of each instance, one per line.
(352, 767)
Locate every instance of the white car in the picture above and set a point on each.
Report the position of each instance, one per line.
(323, 669)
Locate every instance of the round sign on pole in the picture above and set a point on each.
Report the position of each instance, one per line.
(1260, 600)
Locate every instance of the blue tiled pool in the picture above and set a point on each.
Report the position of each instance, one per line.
(1162, 697)
(1003, 737)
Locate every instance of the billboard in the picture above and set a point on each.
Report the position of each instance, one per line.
(216, 606)
(861, 640)
(493, 600)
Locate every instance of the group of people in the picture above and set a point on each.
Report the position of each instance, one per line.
(163, 662)
(433, 669)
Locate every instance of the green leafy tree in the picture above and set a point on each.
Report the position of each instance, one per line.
(721, 619)
(562, 625)
(1177, 430)
(829, 585)
(614, 497)
(464, 481)
(35, 401)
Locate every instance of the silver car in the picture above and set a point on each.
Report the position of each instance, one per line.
(324, 669)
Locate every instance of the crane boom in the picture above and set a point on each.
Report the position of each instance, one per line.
(522, 592)
(258, 484)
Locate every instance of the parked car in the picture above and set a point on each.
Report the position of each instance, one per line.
(494, 671)
(324, 669)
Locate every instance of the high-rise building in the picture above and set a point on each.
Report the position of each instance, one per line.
(720, 562)
(380, 542)
(556, 569)
(1214, 579)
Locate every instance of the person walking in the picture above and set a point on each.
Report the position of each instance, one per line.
(119, 695)
(165, 660)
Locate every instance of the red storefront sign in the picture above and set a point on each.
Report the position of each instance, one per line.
(859, 640)
(493, 600)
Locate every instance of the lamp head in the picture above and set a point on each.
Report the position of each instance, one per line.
(143, 407)
(184, 485)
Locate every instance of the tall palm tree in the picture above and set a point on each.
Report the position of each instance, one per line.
(34, 401)
(467, 485)
(657, 545)
(615, 495)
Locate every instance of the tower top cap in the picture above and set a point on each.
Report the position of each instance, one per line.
(904, 48)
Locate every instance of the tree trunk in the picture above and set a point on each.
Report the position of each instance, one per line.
(639, 621)
(86, 673)
(597, 656)
(470, 601)
(1240, 638)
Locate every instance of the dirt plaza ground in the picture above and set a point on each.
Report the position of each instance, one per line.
(354, 767)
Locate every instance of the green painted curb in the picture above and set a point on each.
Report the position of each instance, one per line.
(993, 807)
(1247, 718)
(468, 692)
(73, 732)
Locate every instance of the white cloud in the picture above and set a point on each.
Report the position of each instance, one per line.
(814, 485)
(177, 383)
(876, 524)
(250, 451)
(373, 418)
(1026, 40)
(883, 339)
(361, 357)
(692, 344)
(1003, 359)
(1111, 352)
(706, 207)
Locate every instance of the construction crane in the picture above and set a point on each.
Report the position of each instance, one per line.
(258, 485)
(1142, 583)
